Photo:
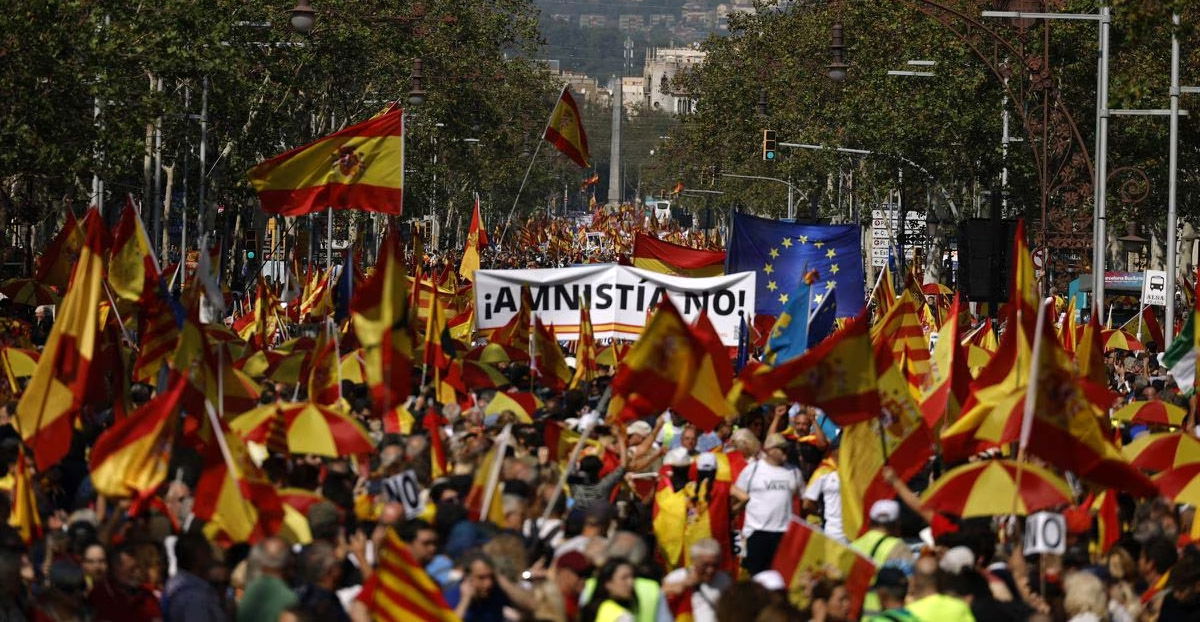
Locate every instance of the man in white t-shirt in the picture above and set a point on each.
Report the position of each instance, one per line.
(766, 486)
(703, 577)
(827, 488)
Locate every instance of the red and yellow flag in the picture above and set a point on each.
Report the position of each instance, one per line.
(950, 378)
(479, 483)
(521, 404)
(476, 240)
(47, 410)
(586, 366)
(806, 550)
(705, 404)
(433, 422)
(549, 363)
(235, 496)
(565, 130)
(131, 458)
(834, 376)
(324, 375)
(651, 253)
(400, 590)
(132, 269)
(659, 369)
(360, 167)
(56, 262)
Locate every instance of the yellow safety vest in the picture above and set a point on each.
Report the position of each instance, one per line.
(877, 545)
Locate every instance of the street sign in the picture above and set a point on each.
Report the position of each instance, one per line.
(404, 489)
(1154, 288)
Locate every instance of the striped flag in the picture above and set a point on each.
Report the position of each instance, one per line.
(130, 459)
(400, 590)
(24, 516)
(360, 167)
(806, 549)
(521, 404)
(47, 411)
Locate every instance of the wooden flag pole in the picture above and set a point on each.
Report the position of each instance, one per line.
(562, 477)
(1031, 389)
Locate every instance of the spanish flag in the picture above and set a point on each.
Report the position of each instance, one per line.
(47, 410)
(130, 459)
(950, 378)
(651, 253)
(806, 550)
(235, 496)
(400, 590)
(324, 374)
(132, 269)
(476, 239)
(659, 370)
(705, 404)
(55, 263)
(433, 422)
(360, 167)
(565, 130)
(585, 354)
(549, 364)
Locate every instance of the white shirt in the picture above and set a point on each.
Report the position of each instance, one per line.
(828, 488)
(705, 596)
(770, 489)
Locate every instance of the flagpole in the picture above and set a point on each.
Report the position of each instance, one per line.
(562, 477)
(329, 237)
(494, 475)
(538, 148)
(1030, 399)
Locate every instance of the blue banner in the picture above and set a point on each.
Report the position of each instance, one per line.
(782, 252)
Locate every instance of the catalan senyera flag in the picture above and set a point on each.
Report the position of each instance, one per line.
(24, 515)
(806, 549)
(586, 366)
(133, 271)
(316, 300)
(659, 369)
(950, 377)
(54, 395)
(884, 295)
(549, 363)
(651, 253)
(832, 376)
(565, 130)
(130, 459)
(400, 590)
(476, 240)
(903, 327)
(360, 167)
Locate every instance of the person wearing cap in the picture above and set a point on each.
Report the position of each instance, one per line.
(702, 577)
(766, 487)
(643, 450)
(882, 542)
(571, 570)
(890, 589)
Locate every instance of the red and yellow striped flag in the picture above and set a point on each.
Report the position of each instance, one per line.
(659, 369)
(132, 269)
(400, 590)
(549, 363)
(585, 354)
(476, 240)
(324, 376)
(433, 422)
(950, 378)
(565, 130)
(56, 261)
(360, 167)
(131, 458)
(805, 550)
(47, 410)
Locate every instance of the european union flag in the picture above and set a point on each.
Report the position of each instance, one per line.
(782, 252)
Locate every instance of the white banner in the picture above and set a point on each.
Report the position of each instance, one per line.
(621, 299)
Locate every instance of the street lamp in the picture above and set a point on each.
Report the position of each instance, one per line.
(303, 17)
(416, 94)
(1133, 246)
(837, 52)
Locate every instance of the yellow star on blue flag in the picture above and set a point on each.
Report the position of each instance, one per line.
(834, 251)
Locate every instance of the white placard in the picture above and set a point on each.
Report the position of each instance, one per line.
(404, 489)
(622, 299)
(1154, 288)
(1046, 532)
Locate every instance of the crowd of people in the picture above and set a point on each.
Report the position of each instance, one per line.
(591, 520)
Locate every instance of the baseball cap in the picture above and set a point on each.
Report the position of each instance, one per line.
(889, 576)
(677, 457)
(639, 427)
(770, 579)
(885, 511)
(706, 461)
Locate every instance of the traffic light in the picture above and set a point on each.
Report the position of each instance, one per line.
(250, 243)
(769, 145)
